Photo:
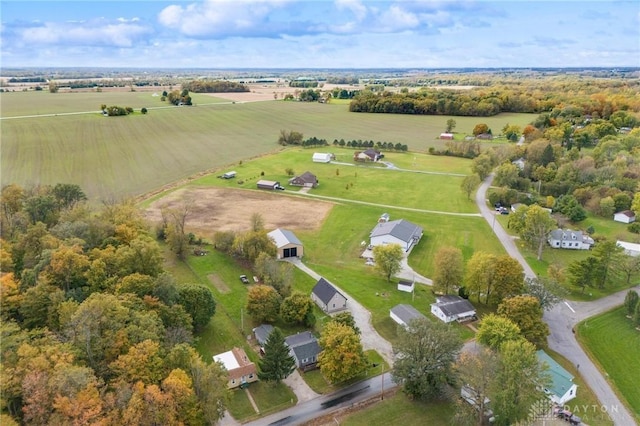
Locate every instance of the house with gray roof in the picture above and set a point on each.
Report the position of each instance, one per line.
(398, 231)
(450, 308)
(262, 333)
(561, 388)
(327, 297)
(304, 348)
(307, 180)
(568, 239)
(404, 314)
(287, 243)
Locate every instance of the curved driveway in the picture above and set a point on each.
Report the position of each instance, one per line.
(563, 318)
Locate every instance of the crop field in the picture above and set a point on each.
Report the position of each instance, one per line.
(115, 157)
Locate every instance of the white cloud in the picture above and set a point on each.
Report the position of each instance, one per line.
(86, 33)
(355, 6)
(221, 18)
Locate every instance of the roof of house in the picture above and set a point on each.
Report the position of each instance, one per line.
(282, 237)
(452, 305)
(401, 229)
(304, 345)
(569, 235)
(307, 177)
(406, 313)
(236, 362)
(262, 332)
(371, 152)
(627, 213)
(561, 379)
(325, 291)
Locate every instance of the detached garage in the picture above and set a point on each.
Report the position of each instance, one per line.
(287, 243)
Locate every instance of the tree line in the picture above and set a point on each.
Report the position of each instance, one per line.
(94, 330)
(214, 86)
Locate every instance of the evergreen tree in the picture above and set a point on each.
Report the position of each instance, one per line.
(277, 364)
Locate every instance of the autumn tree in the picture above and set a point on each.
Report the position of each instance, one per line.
(482, 165)
(426, 353)
(480, 128)
(198, 302)
(263, 303)
(469, 184)
(451, 124)
(278, 275)
(507, 280)
(479, 276)
(526, 313)
(476, 371)
(143, 362)
(609, 255)
(449, 270)
(342, 357)
(494, 330)
(388, 259)
(533, 224)
(257, 222)
(518, 382)
(547, 290)
(250, 244)
(276, 364)
(295, 308)
(347, 319)
(506, 175)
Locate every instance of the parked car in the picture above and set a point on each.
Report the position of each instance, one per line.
(244, 279)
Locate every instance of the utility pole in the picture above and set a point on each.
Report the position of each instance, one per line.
(382, 376)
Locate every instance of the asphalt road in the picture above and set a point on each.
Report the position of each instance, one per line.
(319, 406)
(562, 320)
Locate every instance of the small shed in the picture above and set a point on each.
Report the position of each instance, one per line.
(287, 243)
(268, 184)
(404, 314)
(262, 333)
(321, 157)
(446, 136)
(626, 216)
(327, 297)
(406, 286)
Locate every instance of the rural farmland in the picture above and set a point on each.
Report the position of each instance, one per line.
(116, 157)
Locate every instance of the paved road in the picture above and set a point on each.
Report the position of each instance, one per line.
(325, 404)
(369, 336)
(562, 319)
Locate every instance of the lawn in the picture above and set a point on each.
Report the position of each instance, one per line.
(319, 384)
(400, 410)
(614, 344)
(269, 398)
(115, 157)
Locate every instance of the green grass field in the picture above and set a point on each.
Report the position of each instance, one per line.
(614, 344)
(400, 410)
(113, 157)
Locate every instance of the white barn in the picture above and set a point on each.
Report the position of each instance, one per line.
(630, 249)
(321, 157)
(626, 216)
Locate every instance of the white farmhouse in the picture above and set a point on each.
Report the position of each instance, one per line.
(568, 239)
(401, 232)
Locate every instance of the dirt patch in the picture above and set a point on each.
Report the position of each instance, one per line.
(218, 283)
(220, 209)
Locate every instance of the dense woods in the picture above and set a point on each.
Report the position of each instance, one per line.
(599, 98)
(94, 331)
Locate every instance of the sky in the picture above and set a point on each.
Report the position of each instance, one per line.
(222, 34)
